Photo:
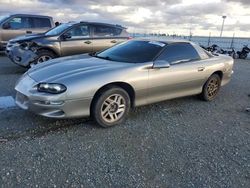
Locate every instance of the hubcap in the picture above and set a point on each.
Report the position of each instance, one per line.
(113, 108)
(213, 87)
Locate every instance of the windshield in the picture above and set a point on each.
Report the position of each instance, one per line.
(2, 18)
(133, 51)
(57, 30)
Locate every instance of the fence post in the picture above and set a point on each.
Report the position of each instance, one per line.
(232, 42)
(208, 42)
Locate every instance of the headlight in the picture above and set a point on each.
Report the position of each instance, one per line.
(51, 88)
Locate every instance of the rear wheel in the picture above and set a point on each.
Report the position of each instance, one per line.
(42, 56)
(211, 87)
(111, 107)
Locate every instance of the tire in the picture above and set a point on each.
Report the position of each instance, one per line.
(42, 56)
(211, 88)
(111, 106)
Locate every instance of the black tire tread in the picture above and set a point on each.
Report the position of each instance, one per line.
(97, 101)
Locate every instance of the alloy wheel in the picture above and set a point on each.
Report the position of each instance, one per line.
(113, 108)
(43, 58)
(213, 87)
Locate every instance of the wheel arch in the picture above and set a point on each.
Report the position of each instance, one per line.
(127, 87)
(49, 49)
(220, 73)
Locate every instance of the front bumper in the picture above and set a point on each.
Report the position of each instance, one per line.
(49, 105)
(20, 56)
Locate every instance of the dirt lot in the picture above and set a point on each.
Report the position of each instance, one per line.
(179, 143)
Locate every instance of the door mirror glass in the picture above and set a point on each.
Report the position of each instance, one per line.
(161, 64)
(6, 25)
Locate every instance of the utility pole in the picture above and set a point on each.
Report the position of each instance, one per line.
(222, 27)
(232, 43)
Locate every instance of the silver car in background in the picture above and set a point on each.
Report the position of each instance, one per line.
(107, 84)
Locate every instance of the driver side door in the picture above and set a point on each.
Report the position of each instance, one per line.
(183, 77)
(78, 40)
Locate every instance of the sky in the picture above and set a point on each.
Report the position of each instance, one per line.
(200, 17)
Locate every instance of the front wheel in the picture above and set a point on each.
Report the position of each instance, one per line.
(42, 56)
(211, 88)
(111, 107)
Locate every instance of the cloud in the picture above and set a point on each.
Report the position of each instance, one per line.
(244, 2)
(143, 15)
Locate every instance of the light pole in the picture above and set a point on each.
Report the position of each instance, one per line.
(223, 17)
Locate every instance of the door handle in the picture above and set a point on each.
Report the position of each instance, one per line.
(113, 41)
(28, 32)
(87, 42)
(201, 69)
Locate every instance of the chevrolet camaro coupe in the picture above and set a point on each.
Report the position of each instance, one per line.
(106, 85)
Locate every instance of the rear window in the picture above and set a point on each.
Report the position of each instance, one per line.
(41, 23)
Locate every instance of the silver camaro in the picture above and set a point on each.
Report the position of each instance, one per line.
(107, 84)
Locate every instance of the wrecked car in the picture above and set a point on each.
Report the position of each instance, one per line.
(67, 39)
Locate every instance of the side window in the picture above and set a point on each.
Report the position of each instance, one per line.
(79, 31)
(106, 31)
(177, 52)
(19, 23)
(40, 22)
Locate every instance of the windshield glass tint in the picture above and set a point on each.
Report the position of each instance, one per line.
(57, 30)
(133, 51)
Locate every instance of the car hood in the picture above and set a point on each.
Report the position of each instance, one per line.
(27, 37)
(63, 68)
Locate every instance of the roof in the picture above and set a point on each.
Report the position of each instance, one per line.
(33, 15)
(101, 23)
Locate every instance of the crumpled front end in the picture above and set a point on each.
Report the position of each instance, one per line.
(19, 54)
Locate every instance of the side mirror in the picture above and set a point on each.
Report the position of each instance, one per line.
(66, 36)
(159, 64)
(6, 25)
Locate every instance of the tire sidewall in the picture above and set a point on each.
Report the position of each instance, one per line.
(96, 109)
(204, 91)
(42, 53)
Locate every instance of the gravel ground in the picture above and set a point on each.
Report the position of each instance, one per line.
(178, 143)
